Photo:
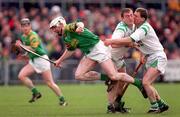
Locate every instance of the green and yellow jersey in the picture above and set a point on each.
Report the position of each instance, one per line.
(84, 41)
(34, 41)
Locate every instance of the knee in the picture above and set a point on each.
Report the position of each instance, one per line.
(78, 76)
(50, 84)
(145, 82)
(113, 76)
(117, 76)
(21, 77)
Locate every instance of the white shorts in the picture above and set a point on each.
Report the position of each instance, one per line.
(159, 59)
(119, 63)
(40, 65)
(99, 52)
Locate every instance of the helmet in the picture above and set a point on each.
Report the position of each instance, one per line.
(56, 21)
(25, 21)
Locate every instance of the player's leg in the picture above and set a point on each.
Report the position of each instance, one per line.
(112, 94)
(121, 84)
(115, 99)
(117, 89)
(115, 96)
(25, 72)
(112, 73)
(86, 64)
(48, 78)
(111, 107)
(83, 70)
(97, 54)
(161, 103)
(119, 96)
(157, 104)
(156, 67)
(149, 77)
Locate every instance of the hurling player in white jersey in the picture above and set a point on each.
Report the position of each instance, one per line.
(150, 46)
(123, 29)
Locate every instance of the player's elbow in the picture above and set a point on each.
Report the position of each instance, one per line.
(80, 24)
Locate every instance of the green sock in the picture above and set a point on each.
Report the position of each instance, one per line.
(61, 99)
(154, 105)
(160, 102)
(34, 90)
(104, 77)
(137, 83)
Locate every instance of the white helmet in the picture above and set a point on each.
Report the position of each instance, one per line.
(56, 21)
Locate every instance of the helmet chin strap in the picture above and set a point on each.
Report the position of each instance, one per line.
(60, 33)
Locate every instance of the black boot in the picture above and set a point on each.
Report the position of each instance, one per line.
(35, 96)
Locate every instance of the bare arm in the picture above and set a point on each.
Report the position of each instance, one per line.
(77, 27)
(19, 43)
(119, 42)
(80, 27)
(65, 55)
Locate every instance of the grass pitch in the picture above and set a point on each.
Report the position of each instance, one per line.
(85, 100)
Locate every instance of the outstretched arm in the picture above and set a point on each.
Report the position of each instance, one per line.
(118, 42)
(65, 55)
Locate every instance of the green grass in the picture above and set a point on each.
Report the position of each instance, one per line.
(87, 100)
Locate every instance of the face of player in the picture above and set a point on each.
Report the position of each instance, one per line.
(138, 20)
(59, 30)
(26, 28)
(128, 18)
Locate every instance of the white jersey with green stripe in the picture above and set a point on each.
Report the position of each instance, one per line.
(122, 30)
(147, 39)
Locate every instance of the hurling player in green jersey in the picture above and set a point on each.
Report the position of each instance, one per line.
(32, 41)
(75, 35)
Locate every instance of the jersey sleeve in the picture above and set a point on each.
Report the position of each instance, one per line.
(70, 45)
(140, 33)
(118, 34)
(71, 27)
(34, 41)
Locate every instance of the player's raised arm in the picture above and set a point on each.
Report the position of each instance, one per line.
(80, 27)
(75, 27)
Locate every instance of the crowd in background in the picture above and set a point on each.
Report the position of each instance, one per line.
(101, 21)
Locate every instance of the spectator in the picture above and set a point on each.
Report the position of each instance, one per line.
(100, 21)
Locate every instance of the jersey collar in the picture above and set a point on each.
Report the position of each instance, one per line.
(141, 24)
